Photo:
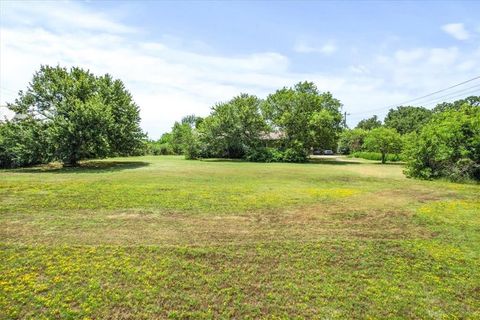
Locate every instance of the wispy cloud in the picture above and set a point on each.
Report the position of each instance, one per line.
(170, 79)
(303, 46)
(456, 30)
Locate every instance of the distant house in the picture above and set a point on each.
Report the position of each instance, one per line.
(271, 139)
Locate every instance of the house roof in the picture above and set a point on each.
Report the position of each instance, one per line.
(272, 135)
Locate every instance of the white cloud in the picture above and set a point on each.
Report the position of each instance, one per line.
(171, 78)
(409, 56)
(456, 30)
(303, 46)
(359, 69)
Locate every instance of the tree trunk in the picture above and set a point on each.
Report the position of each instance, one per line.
(72, 162)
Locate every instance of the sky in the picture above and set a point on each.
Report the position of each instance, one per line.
(179, 58)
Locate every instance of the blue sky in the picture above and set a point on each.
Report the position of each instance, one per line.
(180, 58)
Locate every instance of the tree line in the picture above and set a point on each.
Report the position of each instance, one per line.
(440, 143)
(286, 126)
(71, 115)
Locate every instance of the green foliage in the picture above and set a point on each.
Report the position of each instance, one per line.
(383, 140)
(23, 143)
(181, 131)
(369, 124)
(80, 131)
(85, 116)
(304, 115)
(406, 119)
(448, 146)
(456, 105)
(192, 120)
(158, 148)
(192, 148)
(264, 154)
(124, 133)
(377, 156)
(234, 127)
(351, 140)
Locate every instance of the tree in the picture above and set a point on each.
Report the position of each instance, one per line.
(448, 146)
(234, 128)
(23, 142)
(369, 124)
(407, 119)
(192, 120)
(351, 140)
(309, 119)
(179, 136)
(473, 101)
(383, 140)
(124, 132)
(85, 116)
(80, 131)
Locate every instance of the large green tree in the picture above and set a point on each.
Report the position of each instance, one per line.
(473, 101)
(369, 123)
(351, 140)
(85, 116)
(23, 142)
(181, 132)
(234, 128)
(383, 140)
(308, 119)
(407, 119)
(448, 146)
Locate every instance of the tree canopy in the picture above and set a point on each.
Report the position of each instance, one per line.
(309, 119)
(448, 146)
(233, 127)
(369, 124)
(81, 115)
(351, 140)
(407, 119)
(383, 140)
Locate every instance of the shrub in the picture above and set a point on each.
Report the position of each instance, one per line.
(23, 143)
(295, 155)
(377, 156)
(448, 146)
(264, 155)
(351, 141)
(383, 140)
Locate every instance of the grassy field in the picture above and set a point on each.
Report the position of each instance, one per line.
(162, 237)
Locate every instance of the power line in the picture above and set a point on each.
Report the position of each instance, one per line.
(463, 95)
(419, 98)
(455, 92)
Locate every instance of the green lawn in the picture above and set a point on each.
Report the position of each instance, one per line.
(163, 237)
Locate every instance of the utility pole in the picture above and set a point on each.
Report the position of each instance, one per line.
(345, 114)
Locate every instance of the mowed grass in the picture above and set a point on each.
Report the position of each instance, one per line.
(163, 237)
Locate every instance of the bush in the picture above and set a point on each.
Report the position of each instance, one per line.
(192, 147)
(464, 169)
(377, 156)
(351, 141)
(264, 155)
(448, 146)
(295, 155)
(383, 140)
(23, 143)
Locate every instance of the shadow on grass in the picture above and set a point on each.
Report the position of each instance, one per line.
(391, 163)
(86, 167)
(332, 161)
(225, 160)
